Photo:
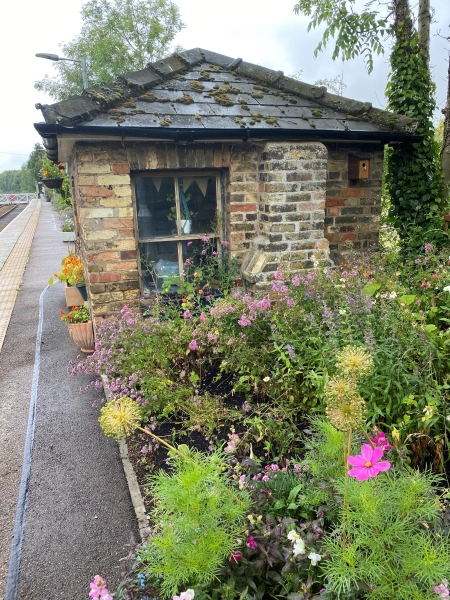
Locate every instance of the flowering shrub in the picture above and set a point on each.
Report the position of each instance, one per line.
(72, 270)
(78, 314)
(52, 170)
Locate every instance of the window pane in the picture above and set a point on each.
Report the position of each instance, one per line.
(158, 261)
(198, 204)
(155, 197)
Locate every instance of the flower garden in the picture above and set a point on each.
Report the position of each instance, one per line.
(291, 444)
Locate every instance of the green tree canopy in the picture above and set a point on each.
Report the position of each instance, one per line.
(117, 36)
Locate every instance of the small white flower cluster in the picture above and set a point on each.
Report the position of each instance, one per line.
(300, 548)
(387, 295)
(446, 289)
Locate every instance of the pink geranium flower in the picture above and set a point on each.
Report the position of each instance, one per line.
(366, 464)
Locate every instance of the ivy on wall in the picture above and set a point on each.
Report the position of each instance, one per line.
(414, 177)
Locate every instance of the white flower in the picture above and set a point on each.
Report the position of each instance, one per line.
(187, 595)
(428, 410)
(299, 547)
(393, 295)
(342, 311)
(293, 535)
(446, 289)
(314, 558)
(266, 379)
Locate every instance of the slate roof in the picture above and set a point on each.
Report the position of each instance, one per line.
(199, 94)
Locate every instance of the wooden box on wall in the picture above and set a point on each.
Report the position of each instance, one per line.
(358, 166)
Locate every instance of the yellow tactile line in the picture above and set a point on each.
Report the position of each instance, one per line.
(12, 271)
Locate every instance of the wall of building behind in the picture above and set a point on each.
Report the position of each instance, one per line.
(285, 202)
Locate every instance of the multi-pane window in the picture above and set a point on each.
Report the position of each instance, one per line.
(174, 211)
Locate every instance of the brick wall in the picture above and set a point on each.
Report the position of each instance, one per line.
(352, 211)
(275, 202)
(292, 182)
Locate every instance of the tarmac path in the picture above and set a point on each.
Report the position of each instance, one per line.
(79, 514)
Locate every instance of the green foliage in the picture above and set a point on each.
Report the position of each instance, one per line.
(15, 181)
(116, 37)
(391, 549)
(198, 518)
(356, 34)
(413, 174)
(34, 162)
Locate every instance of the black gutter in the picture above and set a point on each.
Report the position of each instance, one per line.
(163, 133)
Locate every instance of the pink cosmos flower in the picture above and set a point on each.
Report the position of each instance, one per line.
(366, 464)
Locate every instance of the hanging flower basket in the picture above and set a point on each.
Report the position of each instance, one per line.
(53, 184)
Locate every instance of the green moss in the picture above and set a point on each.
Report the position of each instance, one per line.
(216, 68)
(148, 97)
(223, 99)
(316, 112)
(312, 124)
(293, 100)
(256, 95)
(197, 117)
(129, 104)
(115, 113)
(239, 121)
(205, 76)
(271, 120)
(165, 122)
(185, 99)
(196, 86)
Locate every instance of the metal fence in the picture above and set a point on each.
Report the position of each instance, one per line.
(17, 198)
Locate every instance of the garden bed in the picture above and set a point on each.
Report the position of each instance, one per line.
(271, 400)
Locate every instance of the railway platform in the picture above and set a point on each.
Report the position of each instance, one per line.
(65, 508)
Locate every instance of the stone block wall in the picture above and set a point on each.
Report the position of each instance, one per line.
(292, 184)
(353, 207)
(276, 195)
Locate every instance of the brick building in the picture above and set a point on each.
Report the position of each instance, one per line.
(202, 144)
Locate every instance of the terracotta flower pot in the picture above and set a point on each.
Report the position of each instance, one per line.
(83, 335)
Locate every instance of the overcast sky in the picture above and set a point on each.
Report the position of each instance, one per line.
(259, 31)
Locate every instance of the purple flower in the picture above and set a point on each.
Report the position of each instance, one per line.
(187, 314)
(193, 345)
(225, 243)
(296, 280)
(206, 239)
(235, 556)
(244, 321)
(189, 243)
(187, 262)
(251, 543)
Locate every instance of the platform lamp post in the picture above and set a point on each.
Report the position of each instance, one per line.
(82, 62)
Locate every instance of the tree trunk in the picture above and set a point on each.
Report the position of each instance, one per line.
(445, 152)
(403, 25)
(423, 22)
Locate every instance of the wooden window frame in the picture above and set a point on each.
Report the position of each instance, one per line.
(178, 238)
